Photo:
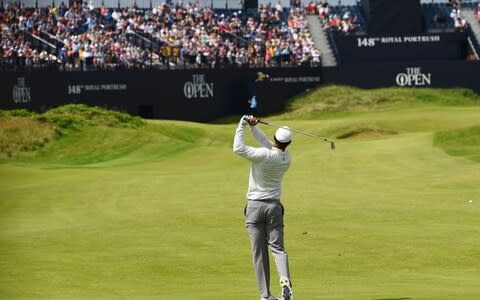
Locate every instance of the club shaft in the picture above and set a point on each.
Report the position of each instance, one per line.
(296, 131)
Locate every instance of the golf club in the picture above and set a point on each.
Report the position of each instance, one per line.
(332, 143)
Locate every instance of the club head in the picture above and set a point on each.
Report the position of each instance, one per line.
(332, 145)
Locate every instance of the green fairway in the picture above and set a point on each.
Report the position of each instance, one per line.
(156, 211)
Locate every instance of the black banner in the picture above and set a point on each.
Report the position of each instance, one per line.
(195, 95)
(204, 95)
(426, 74)
(402, 48)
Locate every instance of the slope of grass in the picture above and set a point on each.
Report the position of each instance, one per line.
(343, 100)
(23, 135)
(463, 142)
(156, 212)
(157, 140)
(81, 135)
(76, 116)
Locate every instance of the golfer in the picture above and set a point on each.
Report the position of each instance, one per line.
(264, 212)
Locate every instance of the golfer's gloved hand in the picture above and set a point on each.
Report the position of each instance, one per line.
(245, 120)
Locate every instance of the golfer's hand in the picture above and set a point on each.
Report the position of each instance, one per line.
(245, 120)
(250, 120)
(253, 121)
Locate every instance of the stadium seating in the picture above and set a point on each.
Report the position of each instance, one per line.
(166, 36)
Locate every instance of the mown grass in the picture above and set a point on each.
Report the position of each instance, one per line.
(156, 211)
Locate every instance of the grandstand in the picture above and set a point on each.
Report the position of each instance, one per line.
(176, 35)
(444, 25)
(173, 35)
(277, 49)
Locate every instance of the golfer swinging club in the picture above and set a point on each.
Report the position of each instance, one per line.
(264, 212)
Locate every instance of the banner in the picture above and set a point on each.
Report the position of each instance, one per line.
(205, 95)
(448, 74)
(193, 95)
(401, 48)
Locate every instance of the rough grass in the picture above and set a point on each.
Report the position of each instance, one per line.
(322, 102)
(76, 116)
(24, 134)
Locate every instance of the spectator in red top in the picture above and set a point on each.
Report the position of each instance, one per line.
(311, 8)
(103, 10)
(478, 12)
(323, 11)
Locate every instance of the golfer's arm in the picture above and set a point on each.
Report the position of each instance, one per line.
(261, 137)
(239, 146)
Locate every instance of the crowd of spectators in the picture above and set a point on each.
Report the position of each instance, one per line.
(79, 37)
(179, 35)
(339, 19)
(13, 44)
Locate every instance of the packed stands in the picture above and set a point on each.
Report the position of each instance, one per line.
(184, 35)
(176, 35)
(341, 18)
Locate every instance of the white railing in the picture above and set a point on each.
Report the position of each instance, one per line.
(472, 46)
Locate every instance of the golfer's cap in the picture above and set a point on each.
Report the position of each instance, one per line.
(283, 134)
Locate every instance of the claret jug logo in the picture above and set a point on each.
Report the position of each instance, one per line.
(198, 88)
(21, 92)
(413, 77)
(261, 77)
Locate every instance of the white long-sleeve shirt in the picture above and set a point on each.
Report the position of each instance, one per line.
(269, 164)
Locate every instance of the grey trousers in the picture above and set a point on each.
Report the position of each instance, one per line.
(264, 222)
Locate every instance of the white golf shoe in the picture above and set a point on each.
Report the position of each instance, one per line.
(287, 293)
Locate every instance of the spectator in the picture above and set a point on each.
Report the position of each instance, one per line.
(315, 58)
(459, 21)
(338, 20)
(455, 13)
(324, 11)
(311, 8)
(460, 24)
(478, 12)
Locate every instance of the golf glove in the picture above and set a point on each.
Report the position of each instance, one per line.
(246, 119)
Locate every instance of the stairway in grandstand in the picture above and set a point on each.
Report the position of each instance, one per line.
(320, 38)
